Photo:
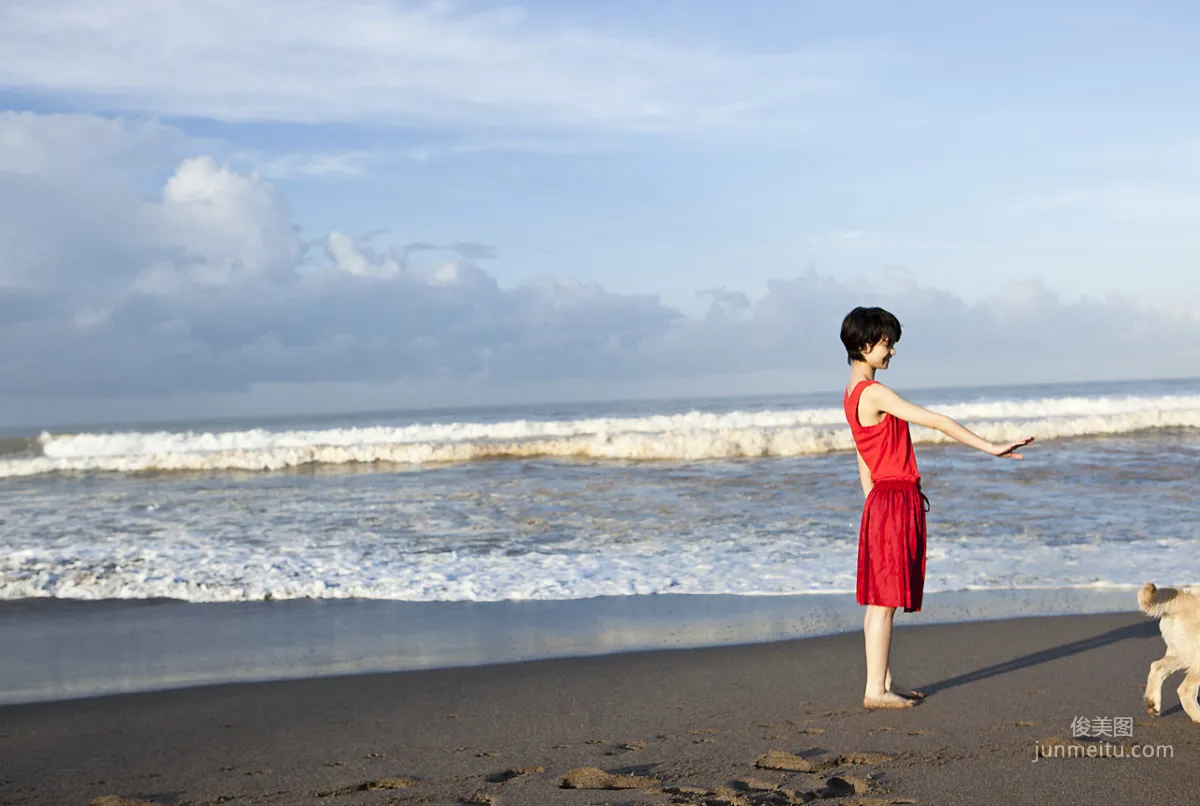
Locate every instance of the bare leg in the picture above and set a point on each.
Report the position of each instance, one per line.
(877, 630)
(1188, 690)
(1160, 670)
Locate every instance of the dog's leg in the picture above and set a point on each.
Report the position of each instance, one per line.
(1160, 670)
(1188, 690)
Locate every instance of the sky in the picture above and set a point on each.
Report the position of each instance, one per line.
(212, 207)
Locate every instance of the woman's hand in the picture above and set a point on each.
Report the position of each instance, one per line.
(1008, 449)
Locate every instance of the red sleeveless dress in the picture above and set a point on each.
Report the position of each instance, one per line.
(891, 538)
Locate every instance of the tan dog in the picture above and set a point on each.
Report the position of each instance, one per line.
(1179, 611)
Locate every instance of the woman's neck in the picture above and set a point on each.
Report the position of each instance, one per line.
(862, 371)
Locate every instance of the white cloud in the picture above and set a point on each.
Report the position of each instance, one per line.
(311, 61)
(351, 258)
(217, 227)
(108, 290)
(309, 165)
(34, 144)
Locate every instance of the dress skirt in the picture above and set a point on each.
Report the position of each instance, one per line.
(891, 545)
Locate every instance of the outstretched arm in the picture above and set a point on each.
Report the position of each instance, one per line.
(887, 400)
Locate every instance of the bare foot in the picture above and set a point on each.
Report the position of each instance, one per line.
(888, 700)
(907, 693)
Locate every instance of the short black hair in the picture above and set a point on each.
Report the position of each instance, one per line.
(863, 327)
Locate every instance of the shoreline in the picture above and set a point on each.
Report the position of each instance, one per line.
(690, 724)
(69, 649)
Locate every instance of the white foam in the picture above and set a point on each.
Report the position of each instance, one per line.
(1101, 514)
(690, 436)
(216, 572)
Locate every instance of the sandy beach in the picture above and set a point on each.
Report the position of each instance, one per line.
(681, 726)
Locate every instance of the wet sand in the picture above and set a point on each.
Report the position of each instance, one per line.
(681, 726)
(58, 649)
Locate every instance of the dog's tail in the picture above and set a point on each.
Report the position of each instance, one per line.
(1156, 602)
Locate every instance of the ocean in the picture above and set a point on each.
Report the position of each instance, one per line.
(746, 496)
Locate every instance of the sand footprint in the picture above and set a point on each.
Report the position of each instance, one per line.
(595, 778)
(865, 758)
(516, 772)
(752, 792)
(840, 786)
(488, 798)
(790, 762)
(626, 747)
(375, 785)
(840, 712)
(755, 785)
(780, 760)
(748, 791)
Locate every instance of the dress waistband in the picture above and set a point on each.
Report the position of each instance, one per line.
(903, 482)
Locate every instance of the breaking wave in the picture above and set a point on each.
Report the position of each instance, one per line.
(688, 436)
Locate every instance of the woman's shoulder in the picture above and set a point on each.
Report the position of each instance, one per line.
(860, 385)
(873, 388)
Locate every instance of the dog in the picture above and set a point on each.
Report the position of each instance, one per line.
(1179, 612)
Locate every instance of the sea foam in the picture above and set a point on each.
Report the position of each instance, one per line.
(688, 436)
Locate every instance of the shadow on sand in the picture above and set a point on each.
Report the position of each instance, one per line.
(1147, 629)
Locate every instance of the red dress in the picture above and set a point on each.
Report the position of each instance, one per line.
(891, 539)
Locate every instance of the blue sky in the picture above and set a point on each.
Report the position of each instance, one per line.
(988, 155)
